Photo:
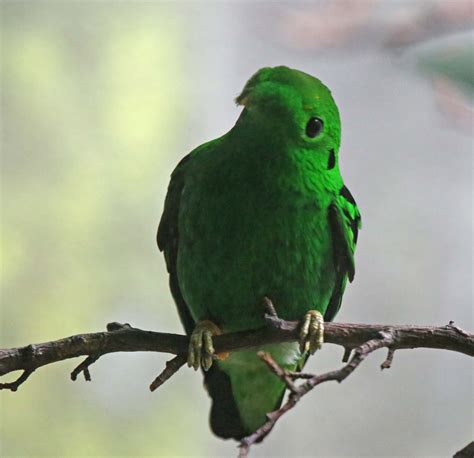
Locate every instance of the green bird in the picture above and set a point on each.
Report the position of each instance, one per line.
(260, 212)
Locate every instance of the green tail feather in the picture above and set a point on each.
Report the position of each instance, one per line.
(244, 390)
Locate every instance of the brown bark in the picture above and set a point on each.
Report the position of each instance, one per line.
(123, 338)
(357, 339)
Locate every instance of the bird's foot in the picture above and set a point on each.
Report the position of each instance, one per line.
(312, 332)
(201, 349)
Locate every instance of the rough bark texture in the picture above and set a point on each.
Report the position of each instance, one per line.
(357, 339)
(127, 339)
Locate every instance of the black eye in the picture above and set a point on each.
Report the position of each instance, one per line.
(314, 127)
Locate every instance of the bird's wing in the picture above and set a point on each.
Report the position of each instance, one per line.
(225, 418)
(168, 236)
(345, 221)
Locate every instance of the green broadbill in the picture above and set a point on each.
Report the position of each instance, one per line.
(261, 211)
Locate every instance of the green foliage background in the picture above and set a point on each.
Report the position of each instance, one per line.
(91, 104)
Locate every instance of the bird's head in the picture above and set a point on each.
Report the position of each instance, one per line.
(294, 107)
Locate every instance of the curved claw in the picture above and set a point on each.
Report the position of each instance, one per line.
(201, 349)
(312, 332)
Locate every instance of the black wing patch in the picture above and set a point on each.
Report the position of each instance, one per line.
(355, 218)
(167, 239)
(345, 221)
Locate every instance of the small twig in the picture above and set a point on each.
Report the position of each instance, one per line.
(13, 386)
(91, 359)
(271, 317)
(172, 366)
(277, 370)
(265, 429)
(384, 339)
(387, 364)
(298, 375)
(269, 307)
(347, 354)
(84, 368)
(243, 450)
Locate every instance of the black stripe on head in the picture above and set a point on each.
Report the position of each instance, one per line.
(332, 159)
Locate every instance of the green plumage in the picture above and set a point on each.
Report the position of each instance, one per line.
(261, 211)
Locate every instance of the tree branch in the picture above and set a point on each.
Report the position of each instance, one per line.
(385, 339)
(357, 339)
(128, 339)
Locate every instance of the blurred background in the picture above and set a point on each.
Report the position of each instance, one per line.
(99, 102)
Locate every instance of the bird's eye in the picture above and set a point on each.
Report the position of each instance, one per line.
(314, 127)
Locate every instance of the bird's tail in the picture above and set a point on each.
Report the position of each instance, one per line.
(225, 418)
(242, 395)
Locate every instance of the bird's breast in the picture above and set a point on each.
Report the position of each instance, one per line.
(239, 242)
